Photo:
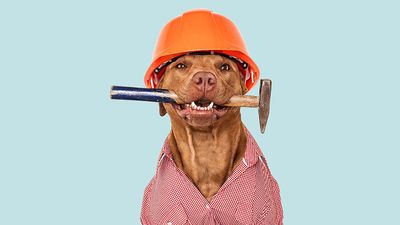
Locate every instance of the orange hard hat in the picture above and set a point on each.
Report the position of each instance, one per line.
(200, 31)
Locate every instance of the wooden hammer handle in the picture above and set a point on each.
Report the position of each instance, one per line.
(243, 101)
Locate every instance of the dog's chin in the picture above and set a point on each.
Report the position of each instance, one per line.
(201, 113)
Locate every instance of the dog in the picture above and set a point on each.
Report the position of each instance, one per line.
(210, 169)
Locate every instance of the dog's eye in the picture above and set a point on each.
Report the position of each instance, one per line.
(180, 66)
(225, 67)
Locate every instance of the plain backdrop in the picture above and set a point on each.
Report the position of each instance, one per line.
(70, 155)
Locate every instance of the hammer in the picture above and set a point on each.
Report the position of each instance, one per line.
(167, 96)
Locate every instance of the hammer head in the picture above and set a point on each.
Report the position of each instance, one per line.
(264, 100)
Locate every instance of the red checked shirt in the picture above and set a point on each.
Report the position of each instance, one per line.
(249, 196)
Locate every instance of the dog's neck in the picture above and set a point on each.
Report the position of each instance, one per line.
(208, 156)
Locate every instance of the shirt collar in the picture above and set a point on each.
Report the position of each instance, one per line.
(253, 151)
(165, 149)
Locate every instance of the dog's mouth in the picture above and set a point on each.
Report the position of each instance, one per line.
(201, 105)
(202, 109)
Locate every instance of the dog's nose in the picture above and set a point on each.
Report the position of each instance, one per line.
(204, 81)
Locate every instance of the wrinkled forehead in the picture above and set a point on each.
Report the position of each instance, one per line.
(242, 66)
(206, 59)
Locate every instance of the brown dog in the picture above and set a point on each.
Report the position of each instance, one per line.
(206, 144)
(209, 145)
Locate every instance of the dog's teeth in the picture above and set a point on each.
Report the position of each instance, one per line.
(193, 105)
(210, 106)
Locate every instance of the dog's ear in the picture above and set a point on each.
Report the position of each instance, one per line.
(162, 109)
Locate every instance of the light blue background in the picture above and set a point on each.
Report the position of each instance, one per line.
(70, 155)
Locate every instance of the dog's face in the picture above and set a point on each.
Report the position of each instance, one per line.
(204, 83)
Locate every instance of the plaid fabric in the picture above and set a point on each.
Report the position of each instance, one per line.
(249, 196)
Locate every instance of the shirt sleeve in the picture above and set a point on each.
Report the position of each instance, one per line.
(145, 216)
(273, 192)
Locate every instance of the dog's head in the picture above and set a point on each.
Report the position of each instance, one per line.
(205, 83)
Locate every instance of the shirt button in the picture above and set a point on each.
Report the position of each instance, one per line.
(208, 206)
(169, 223)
